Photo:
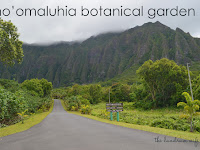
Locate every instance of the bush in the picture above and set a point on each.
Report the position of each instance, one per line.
(163, 123)
(170, 123)
(143, 104)
(85, 109)
(11, 104)
(10, 85)
(73, 103)
(14, 102)
(37, 87)
(85, 102)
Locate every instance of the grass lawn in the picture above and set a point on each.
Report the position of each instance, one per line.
(28, 123)
(100, 114)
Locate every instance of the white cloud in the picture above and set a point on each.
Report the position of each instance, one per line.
(45, 29)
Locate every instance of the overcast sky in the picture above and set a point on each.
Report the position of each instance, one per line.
(41, 29)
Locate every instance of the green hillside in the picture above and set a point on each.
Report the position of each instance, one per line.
(106, 56)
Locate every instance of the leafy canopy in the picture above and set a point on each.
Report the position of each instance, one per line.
(38, 87)
(10, 45)
(162, 78)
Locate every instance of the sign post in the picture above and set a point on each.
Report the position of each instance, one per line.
(117, 116)
(111, 116)
(114, 107)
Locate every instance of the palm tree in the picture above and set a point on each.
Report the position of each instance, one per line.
(190, 107)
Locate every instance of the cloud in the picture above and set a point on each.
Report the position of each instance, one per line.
(65, 28)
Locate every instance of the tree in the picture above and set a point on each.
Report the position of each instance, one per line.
(34, 87)
(190, 107)
(162, 78)
(95, 93)
(46, 86)
(120, 92)
(10, 45)
(38, 87)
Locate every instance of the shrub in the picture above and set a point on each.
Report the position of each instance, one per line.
(85, 102)
(73, 103)
(10, 85)
(85, 109)
(15, 102)
(11, 104)
(38, 87)
(163, 123)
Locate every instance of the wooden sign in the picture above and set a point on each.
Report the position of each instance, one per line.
(114, 110)
(114, 104)
(114, 107)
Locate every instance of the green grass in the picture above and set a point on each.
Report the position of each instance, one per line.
(174, 133)
(28, 123)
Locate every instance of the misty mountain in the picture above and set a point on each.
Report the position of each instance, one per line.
(104, 56)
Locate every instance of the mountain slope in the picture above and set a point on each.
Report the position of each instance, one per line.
(105, 56)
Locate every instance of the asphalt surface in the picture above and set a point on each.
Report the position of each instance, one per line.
(63, 131)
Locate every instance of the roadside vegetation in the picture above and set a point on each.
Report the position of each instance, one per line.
(168, 132)
(151, 102)
(18, 101)
(29, 121)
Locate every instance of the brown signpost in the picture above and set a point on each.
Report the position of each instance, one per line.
(114, 104)
(114, 110)
(114, 107)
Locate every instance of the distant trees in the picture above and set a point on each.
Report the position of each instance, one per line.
(10, 45)
(161, 84)
(120, 92)
(163, 79)
(95, 93)
(38, 87)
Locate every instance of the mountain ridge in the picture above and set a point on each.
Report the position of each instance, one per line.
(104, 56)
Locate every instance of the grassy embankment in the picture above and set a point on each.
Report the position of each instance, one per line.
(99, 109)
(28, 123)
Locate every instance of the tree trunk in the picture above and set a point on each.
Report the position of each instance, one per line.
(191, 128)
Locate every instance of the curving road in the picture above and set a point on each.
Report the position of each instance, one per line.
(63, 131)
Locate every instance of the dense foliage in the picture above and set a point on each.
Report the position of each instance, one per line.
(167, 118)
(162, 85)
(77, 103)
(164, 80)
(17, 99)
(95, 93)
(38, 87)
(10, 45)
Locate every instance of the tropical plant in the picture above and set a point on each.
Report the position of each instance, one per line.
(22, 115)
(85, 109)
(190, 107)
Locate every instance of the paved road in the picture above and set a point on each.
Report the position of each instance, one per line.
(64, 131)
